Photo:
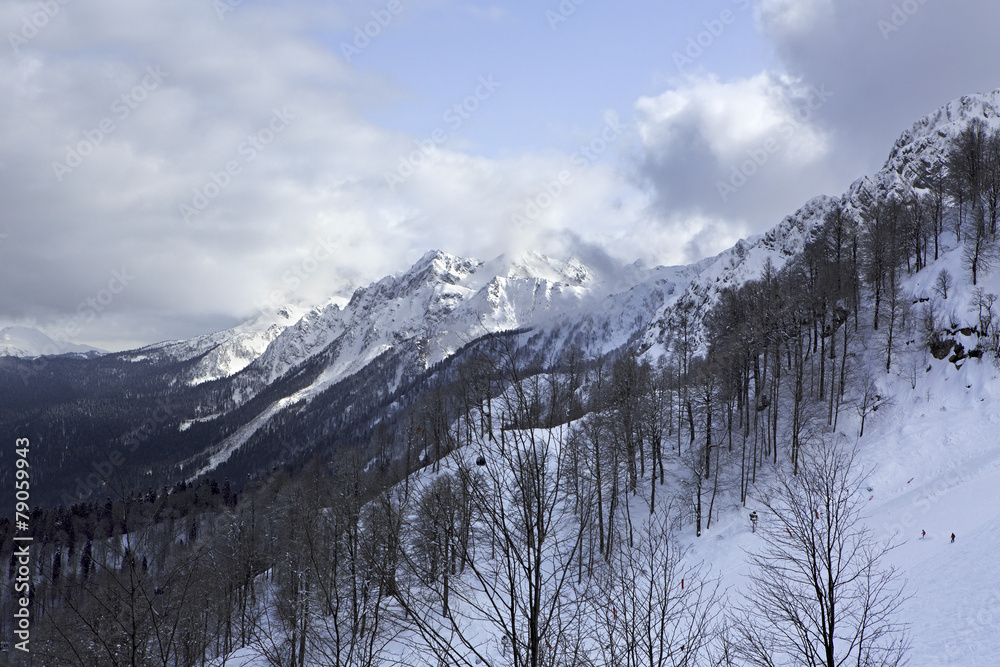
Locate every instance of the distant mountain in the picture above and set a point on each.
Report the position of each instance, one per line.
(223, 353)
(27, 342)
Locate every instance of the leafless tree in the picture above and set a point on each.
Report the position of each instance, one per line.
(654, 608)
(979, 254)
(820, 592)
(145, 597)
(332, 581)
(518, 586)
(868, 400)
(943, 283)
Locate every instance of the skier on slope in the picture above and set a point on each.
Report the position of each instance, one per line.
(953, 538)
(923, 534)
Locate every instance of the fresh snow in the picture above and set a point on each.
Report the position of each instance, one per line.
(29, 343)
(933, 449)
(223, 353)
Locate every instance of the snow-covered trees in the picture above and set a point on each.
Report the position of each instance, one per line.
(655, 609)
(973, 178)
(820, 590)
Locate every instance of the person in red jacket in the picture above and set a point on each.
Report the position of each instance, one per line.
(953, 538)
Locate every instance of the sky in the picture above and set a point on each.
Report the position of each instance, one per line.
(172, 169)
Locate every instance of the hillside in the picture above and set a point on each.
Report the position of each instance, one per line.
(530, 461)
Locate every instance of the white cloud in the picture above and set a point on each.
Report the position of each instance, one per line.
(319, 180)
(730, 158)
(323, 177)
(792, 17)
(732, 118)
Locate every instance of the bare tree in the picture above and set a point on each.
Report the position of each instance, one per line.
(137, 599)
(518, 588)
(868, 400)
(655, 609)
(943, 283)
(820, 592)
(980, 253)
(896, 316)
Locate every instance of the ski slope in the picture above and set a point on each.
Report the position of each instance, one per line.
(933, 454)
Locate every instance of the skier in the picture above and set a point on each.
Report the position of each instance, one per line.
(953, 538)
(753, 521)
(923, 534)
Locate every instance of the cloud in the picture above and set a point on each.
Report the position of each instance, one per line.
(890, 62)
(226, 161)
(732, 156)
(792, 17)
(732, 118)
(256, 122)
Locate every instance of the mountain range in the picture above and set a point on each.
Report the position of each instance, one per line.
(289, 383)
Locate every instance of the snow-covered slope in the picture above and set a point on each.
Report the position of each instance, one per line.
(440, 304)
(743, 262)
(933, 449)
(27, 342)
(917, 148)
(223, 353)
(934, 459)
(926, 142)
(443, 302)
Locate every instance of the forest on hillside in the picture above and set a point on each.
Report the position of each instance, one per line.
(524, 508)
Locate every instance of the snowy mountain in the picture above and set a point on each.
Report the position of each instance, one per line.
(226, 352)
(925, 142)
(440, 304)
(420, 317)
(391, 377)
(743, 262)
(28, 343)
(281, 369)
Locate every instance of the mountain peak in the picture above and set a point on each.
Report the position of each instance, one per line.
(930, 137)
(17, 341)
(534, 265)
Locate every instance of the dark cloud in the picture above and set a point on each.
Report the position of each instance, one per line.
(881, 65)
(890, 63)
(736, 155)
(119, 114)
